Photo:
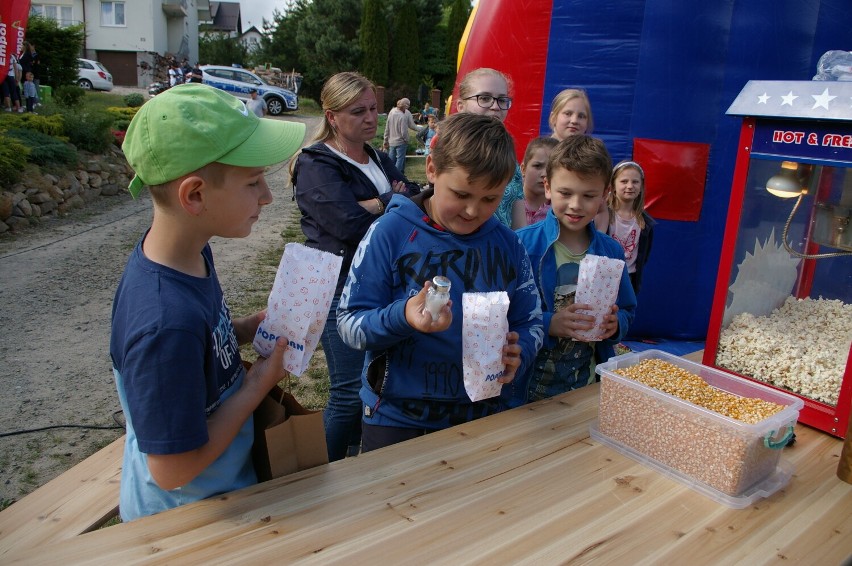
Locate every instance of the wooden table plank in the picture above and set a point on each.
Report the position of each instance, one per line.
(525, 486)
(78, 501)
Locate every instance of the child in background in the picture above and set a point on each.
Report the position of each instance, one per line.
(412, 382)
(30, 92)
(186, 397)
(534, 206)
(488, 92)
(570, 114)
(578, 173)
(426, 134)
(625, 218)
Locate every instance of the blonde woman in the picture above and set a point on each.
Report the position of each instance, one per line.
(342, 185)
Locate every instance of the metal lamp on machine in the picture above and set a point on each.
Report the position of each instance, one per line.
(782, 308)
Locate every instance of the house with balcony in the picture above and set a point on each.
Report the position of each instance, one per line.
(129, 36)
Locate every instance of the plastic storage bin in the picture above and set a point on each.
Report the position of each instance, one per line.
(730, 461)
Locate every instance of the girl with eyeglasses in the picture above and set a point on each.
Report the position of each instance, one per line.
(488, 92)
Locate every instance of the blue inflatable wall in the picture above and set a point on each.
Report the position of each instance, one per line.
(657, 70)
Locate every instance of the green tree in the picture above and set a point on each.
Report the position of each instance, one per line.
(374, 42)
(278, 47)
(459, 13)
(405, 52)
(58, 49)
(219, 49)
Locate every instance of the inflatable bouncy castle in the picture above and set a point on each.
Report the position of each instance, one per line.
(660, 76)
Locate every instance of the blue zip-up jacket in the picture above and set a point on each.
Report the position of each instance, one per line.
(327, 190)
(413, 379)
(538, 239)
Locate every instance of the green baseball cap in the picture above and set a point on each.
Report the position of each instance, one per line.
(191, 125)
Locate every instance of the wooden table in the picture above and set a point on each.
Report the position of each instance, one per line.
(525, 486)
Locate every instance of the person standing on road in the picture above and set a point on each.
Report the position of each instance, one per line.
(256, 104)
(399, 122)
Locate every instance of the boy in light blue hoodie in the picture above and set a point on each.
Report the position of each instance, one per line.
(577, 177)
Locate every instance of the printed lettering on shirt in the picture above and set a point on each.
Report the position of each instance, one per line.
(495, 267)
(225, 344)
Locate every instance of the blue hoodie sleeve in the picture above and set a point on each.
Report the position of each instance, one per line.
(524, 315)
(369, 315)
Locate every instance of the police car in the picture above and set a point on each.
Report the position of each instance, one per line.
(240, 83)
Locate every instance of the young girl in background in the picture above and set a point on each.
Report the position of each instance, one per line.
(534, 206)
(626, 220)
(570, 114)
(488, 91)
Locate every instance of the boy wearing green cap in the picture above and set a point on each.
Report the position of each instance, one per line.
(187, 399)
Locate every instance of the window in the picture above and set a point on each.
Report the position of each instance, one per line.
(112, 13)
(63, 15)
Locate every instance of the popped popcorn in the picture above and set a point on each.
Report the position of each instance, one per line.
(802, 346)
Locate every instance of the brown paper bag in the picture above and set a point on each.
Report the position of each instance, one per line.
(287, 437)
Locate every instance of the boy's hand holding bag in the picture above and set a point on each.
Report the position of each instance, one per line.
(298, 304)
(598, 282)
(288, 437)
(484, 328)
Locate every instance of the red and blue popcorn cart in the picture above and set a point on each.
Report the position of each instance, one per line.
(782, 307)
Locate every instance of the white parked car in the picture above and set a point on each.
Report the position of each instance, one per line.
(240, 83)
(92, 75)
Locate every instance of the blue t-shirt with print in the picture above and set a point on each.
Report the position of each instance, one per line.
(176, 359)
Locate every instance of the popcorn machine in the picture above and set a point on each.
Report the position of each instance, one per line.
(782, 308)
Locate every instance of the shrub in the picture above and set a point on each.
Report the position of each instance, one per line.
(122, 113)
(134, 100)
(89, 130)
(13, 157)
(44, 149)
(121, 125)
(50, 125)
(69, 96)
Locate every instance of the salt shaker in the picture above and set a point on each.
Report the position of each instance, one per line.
(437, 295)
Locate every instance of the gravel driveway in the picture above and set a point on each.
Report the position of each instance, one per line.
(56, 289)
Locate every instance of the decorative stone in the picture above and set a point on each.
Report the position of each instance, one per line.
(17, 223)
(6, 204)
(23, 208)
(95, 181)
(109, 190)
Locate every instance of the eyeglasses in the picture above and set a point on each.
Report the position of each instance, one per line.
(486, 101)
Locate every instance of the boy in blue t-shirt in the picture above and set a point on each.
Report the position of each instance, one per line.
(187, 399)
(577, 177)
(413, 382)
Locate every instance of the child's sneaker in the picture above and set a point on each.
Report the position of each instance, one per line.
(20, 110)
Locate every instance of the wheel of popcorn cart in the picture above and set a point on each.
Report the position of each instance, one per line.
(782, 308)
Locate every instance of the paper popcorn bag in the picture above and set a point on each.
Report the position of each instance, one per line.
(298, 304)
(597, 284)
(484, 329)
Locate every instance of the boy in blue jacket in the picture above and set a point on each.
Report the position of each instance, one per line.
(577, 175)
(413, 382)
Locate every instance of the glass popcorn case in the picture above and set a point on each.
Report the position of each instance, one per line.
(782, 308)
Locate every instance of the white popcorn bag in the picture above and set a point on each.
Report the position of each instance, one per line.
(298, 304)
(484, 328)
(597, 284)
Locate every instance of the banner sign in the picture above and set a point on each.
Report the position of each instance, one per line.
(818, 139)
(13, 24)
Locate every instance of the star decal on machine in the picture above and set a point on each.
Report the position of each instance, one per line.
(795, 99)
